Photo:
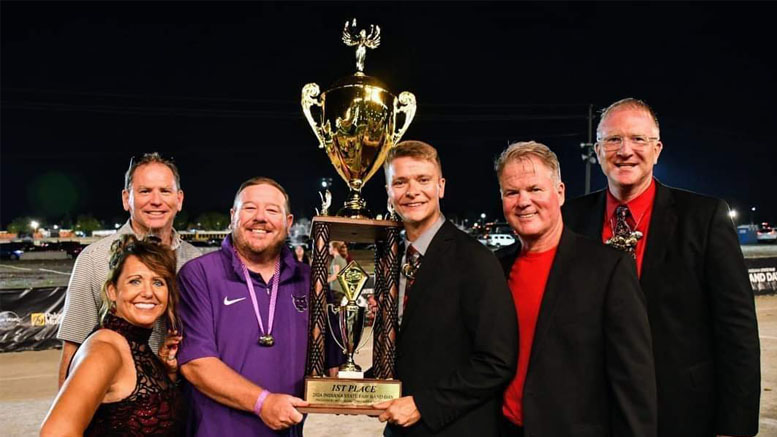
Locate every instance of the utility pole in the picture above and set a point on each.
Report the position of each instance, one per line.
(588, 150)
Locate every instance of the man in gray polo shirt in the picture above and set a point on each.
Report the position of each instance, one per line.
(152, 195)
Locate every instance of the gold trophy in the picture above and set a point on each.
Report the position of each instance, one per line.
(349, 393)
(350, 318)
(355, 120)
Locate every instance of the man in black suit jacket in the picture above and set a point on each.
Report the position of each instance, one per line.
(457, 343)
(700, 303)
(585, 363)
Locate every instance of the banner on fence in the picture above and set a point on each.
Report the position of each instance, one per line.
(29, 318)
(763, 274)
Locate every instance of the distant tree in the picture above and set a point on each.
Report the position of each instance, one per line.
(181, 220)
(66, 222)
(87, 223)
(212, 221)
(20, 225)
(116, 220)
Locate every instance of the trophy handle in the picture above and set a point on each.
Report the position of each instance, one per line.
(334, 310)
(310, 98)
(364, 340)
(404, 103)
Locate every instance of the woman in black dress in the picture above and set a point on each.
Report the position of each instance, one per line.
(116, 385)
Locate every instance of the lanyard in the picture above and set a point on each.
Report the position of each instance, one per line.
(265, 339)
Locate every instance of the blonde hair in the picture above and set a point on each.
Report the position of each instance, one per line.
(160, 259)
(413, 149)
(524, 150)
(627, 103)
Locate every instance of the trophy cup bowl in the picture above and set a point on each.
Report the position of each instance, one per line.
(355, 122)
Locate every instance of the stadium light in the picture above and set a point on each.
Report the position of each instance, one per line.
(34, 225)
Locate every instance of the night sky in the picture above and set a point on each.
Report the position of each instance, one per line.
(217, 86)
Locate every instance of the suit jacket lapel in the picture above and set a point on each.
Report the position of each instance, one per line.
(431, 265)
(593, 220)
(555, 287)
(663, 222)
(508, 255)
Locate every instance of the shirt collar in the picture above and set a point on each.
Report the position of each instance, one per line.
(127, 229)
(423, 241)
(638, 206)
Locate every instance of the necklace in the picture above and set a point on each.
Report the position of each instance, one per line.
(265, 339)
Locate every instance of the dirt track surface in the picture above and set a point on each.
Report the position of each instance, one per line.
(40, 273)
(28, 385)
(28, 379)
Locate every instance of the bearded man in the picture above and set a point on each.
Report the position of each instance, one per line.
(245, 321)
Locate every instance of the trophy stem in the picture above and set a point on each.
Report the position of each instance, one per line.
(355, 206)
(350, 365)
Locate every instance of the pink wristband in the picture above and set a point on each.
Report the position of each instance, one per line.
(260, 401)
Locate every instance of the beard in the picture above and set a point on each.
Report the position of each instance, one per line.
(258, 250)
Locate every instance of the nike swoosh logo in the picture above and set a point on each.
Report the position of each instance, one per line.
(230, 302)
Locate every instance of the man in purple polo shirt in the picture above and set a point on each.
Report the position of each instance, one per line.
(245, 331)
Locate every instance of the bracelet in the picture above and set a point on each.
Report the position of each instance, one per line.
(260, 402)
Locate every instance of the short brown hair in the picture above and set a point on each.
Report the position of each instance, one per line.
(160, 259)
(149, 158)
(261, 180)
(525, 149)
(627, 103)
(413, 149)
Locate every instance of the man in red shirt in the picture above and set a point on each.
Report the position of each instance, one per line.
(585, 363)
(699, 299)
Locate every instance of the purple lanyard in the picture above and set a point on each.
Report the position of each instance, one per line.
(273, 299)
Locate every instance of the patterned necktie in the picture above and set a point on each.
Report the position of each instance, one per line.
(622, 227)
(409, 269)
(623, 238)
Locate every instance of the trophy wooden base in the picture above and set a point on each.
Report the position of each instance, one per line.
(319, 409)
(348, 396)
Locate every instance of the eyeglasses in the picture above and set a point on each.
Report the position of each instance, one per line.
(614, 142)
